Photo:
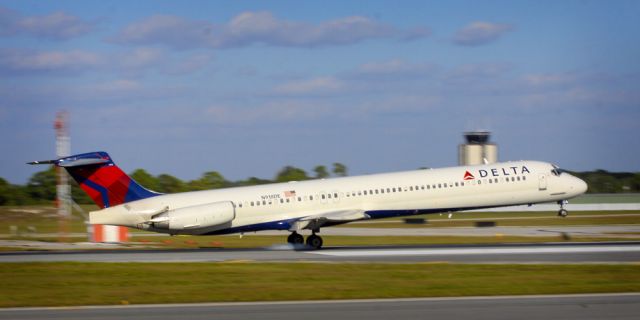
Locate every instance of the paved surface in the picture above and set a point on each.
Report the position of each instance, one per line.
(619, 252)
(596, 306)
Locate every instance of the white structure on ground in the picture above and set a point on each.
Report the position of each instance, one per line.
(477, 149)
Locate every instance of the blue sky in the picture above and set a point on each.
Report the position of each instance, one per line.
(247, 87)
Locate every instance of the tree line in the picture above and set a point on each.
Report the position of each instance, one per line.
(41, 188)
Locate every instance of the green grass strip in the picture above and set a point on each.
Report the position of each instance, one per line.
(67, 284)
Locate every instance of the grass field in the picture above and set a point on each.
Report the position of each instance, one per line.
(65, 284)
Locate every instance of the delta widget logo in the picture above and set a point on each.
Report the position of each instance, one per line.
(468, 176)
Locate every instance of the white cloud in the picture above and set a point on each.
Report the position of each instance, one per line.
(480, 33)
(476, 71)
(261, 27)
(127, 63)
(313, 86)
(141, 57)
(166, 29)
(189, 64)
(395, 67)
(39, 61)
(57, 25)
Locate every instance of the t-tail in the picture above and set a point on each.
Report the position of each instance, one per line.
(101, 179)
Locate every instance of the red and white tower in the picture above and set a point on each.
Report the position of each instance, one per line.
(63, 190)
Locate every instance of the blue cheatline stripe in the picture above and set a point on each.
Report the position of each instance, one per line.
(273, 225)
(103, 191)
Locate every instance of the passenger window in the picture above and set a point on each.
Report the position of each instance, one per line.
(329, 196)
(322, 196)
(411, 188)
(394, 189)
(388, 190)
(365, 192)
(281, 201)
(252, 203)
(240, 205)
(311, 198)
(299, 199)
(287, 200)
(524, 178)
(335, 195)
(264, 203)
(479, 181)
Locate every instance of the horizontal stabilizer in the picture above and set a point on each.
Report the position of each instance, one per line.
(72, 161)
(43, 162)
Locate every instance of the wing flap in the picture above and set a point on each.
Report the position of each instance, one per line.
(318, 220)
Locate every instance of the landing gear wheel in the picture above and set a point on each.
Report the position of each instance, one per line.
(295, 238)
(562, 212)
(314, 241)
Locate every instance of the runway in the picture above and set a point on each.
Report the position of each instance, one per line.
(588, 306)
(617, 252)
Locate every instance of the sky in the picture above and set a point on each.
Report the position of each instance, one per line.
(248, 87)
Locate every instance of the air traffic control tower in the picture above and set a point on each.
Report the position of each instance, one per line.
(477, 149)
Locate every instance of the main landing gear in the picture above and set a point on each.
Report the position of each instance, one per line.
(314, 241)
(562, 212)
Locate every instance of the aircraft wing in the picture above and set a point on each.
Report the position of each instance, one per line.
(318, 220)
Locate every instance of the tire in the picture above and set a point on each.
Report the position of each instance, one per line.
(314, 241)
(295, 238)
(563, 213)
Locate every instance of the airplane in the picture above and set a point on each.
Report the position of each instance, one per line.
(314, 204)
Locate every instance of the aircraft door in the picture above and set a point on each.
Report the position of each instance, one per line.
(542, 182)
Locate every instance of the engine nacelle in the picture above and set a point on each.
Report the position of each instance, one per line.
(195, 217)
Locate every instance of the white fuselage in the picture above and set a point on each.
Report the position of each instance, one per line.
(278, 206)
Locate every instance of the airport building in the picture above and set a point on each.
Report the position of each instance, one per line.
(477, 149)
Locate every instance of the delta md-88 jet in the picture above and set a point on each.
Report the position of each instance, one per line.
(314, 204)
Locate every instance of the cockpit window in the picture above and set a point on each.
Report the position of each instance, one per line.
(556, 171)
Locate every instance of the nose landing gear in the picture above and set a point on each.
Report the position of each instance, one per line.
(562, 212)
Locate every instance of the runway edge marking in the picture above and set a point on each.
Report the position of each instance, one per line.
(476, 251)
(346, 301)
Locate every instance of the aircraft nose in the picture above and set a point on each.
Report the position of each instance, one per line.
(580, 186)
